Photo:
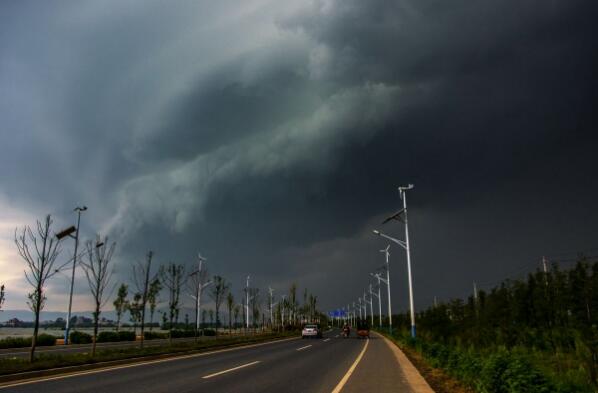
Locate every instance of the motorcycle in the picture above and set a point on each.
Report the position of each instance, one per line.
(346, 332)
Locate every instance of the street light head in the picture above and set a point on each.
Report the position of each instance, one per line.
(81, 209)
(100, 244)
(65, 232)
(376, 232)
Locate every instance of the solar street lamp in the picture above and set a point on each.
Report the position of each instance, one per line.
(62, 234)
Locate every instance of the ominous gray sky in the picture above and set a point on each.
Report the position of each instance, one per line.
(271, 136)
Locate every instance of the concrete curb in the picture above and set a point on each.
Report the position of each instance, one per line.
(415, 379)
(31, 375)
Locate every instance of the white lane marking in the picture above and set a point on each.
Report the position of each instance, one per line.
(302, 348)
(105, 369)
(230, 369)
(343, 381)
(326, 340)
(336, 336)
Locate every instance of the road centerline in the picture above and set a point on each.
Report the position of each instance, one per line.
(302, 348)
(230, 369)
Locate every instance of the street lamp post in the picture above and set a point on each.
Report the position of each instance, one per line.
(199, 288)
(371, 304)
(377, 275)
(405, 245)
(68, 232)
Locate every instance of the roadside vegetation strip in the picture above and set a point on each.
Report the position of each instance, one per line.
(52, 364)
(229, 370)
(347, 375)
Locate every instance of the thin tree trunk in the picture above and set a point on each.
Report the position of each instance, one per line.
(36, 327)
(96, 322)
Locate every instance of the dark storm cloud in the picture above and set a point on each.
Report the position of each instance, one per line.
(273, 139)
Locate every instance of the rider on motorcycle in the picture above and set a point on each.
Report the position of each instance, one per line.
(346, 330)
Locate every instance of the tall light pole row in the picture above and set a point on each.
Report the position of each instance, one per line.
(401, 216)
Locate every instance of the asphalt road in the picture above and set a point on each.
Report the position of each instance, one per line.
(81, 348)
(295, 365)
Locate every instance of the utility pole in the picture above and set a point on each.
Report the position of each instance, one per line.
(68, 318)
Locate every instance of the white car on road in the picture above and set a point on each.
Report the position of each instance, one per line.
(311, 331)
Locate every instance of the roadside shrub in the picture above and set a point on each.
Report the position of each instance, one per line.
(15, 342)
(182, 333)
(126, 335)
(80, 338)
(154, 335)
(46, 340)
(209, 332)
(104, 337)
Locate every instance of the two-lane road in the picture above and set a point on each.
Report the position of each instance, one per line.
(291, 365)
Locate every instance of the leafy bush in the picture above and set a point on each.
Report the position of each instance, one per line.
(116, 336)
(154, 335)
(126, 335)
(104, 337)
(209, 332)
(45, 340)
(80, 338)
(182, 333)
(15, 342)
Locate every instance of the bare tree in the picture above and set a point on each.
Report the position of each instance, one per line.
(254, 304)
(230, 302)
(236, 312)
(218, 293)
(40, 267)
(142, 277)
(173, 278)
(134, 307)
(120, 303)
(1, 296)
(293, 303)
(98, 275)
(152, 298)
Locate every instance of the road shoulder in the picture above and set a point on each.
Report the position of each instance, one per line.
(414, 378)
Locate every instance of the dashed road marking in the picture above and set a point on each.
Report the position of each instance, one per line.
(302, 348)
(230, 369)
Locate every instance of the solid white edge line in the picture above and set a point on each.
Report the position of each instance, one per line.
(230, 369)
(138, 364)
(344, 380)
(326, 340)
(302, 348)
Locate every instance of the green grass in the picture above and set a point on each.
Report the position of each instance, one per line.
(45, 361)
(500, 370)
